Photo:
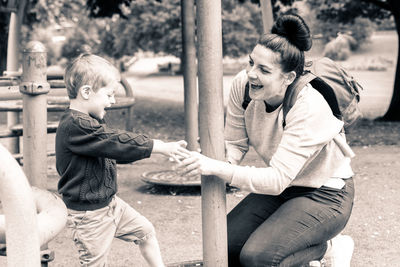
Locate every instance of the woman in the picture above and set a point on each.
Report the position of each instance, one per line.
(304, 197)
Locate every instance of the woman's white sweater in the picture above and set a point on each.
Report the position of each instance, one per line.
(303, 153)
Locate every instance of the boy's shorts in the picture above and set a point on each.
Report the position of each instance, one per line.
(93, 231)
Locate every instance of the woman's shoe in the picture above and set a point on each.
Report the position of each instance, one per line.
(339, 252)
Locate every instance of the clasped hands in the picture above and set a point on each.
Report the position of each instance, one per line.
(190, 163)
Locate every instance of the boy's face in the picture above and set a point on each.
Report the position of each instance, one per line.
(101, 99)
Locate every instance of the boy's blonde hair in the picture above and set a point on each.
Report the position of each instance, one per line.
(89, 69)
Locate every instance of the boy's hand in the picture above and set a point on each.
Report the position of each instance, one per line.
(176, 150)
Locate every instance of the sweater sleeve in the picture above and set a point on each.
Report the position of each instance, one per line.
(90, 138)
(236, 139)
(310, 125)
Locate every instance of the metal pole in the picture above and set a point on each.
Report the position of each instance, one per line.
(34, 88)
(189, 73)
(12, 69)
(209, 33)
(13, 43)
(267, 15)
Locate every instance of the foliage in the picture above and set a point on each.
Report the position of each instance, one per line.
(345, 17)
(149, 26)
(338, 48)
(346, 11)
(241, 28)
(360, 29)
(104, 8)
(154, 26)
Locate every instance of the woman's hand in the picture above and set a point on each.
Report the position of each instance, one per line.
(197, 164)
(194, 164)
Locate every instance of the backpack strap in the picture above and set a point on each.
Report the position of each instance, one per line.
(327, 92)
(293, 91)
(246, 99)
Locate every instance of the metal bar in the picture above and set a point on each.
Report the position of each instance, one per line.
(189, 73)
(35, 114)
(211, 111)
(12, 66)
(267, 15)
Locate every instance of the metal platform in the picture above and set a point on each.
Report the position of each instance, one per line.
(170, 178)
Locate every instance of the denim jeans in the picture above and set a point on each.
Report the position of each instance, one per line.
(290, 229)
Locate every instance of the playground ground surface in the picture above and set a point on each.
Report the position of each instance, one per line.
(176, 211)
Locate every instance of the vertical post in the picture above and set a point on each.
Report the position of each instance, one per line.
(209, 33)
(189, 73)
(13, 43)
(12, 69)
(34, 88)
(267, 15)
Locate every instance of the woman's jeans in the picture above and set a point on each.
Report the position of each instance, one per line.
(290, 229)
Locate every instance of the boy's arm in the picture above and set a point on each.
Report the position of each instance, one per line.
(90, 138)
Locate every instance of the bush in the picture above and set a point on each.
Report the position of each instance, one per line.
(357, 33)
(45, 36)
(361, 30)
(338, 48)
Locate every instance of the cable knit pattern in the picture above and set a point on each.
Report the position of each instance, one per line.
(86, 154)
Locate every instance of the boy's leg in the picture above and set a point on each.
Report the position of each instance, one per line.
(151, 251)
(92, 232)
(134, 227)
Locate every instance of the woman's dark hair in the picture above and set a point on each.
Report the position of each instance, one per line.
(290, 36)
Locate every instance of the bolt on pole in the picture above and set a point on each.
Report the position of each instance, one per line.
(211, 111)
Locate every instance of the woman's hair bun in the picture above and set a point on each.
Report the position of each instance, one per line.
(294, 29)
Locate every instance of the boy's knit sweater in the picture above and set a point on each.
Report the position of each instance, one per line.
(301, 154)
(86, 154)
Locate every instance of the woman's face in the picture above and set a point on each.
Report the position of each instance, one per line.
(267, 80)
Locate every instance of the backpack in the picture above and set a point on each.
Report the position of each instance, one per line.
(338, 88)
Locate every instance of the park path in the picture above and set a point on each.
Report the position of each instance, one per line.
(375, 98)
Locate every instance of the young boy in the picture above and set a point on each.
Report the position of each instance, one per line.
(86, 155)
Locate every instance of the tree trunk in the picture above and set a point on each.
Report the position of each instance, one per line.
(393, 113)
(4, 21)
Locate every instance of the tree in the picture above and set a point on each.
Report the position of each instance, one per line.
(30, 13)
(393, 113)
(347, 11)
(156, 26)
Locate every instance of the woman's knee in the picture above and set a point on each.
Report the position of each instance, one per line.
(251, 258)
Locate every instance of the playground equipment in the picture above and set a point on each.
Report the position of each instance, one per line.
(209, 37)
(25, 232)
(211, 119)
(20, 227)
(57, 101)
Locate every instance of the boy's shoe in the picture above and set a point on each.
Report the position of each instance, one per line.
(339, 252)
